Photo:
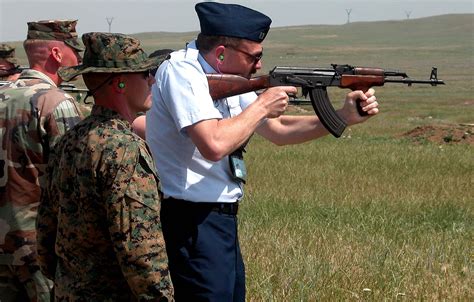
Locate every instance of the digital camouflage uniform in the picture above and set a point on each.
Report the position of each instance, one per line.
(99, 230)
(34, 114)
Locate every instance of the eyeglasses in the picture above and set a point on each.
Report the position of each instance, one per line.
(256, 58)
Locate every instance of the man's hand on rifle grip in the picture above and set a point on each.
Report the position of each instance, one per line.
(359, 106)
(275, 100)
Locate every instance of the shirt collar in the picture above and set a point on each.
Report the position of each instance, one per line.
(35, 74)
(205, 66)
(108, 113)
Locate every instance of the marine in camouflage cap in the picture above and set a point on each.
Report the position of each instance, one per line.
(59, 30)
(111, 53)
(9, 67)
(7, 53)
(102, 192)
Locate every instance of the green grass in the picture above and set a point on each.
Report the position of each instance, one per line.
(327, 219)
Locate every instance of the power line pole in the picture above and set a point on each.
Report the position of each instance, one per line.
(109, 21)
(408, 13)
(348, 11)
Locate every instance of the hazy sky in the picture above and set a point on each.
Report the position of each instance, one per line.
(133, 16)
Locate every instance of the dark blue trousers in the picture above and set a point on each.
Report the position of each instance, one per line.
(203, 250)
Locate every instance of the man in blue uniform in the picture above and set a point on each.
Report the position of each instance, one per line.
(198, 145)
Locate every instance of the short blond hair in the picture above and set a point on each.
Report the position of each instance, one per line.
(39, 50)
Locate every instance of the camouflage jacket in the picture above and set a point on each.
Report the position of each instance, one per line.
(34, 114)
(99, 230)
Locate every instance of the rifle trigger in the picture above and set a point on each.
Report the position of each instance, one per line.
(305, 91)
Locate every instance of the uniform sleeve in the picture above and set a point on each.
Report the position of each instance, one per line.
(184, 89)
(65, 116)
(46, 227)
(135, 228)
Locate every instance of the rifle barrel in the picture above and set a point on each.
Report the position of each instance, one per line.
(410, 81)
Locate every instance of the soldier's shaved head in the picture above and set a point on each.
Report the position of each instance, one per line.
(38, 51)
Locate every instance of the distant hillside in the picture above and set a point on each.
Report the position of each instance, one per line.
(422, 31)
(364, 42)
(403, 42)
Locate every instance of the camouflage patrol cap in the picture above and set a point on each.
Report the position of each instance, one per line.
(59, 30)
(110, 53)
(7, 53)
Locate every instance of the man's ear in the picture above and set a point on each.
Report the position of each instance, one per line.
(219, 53)
(57, 54)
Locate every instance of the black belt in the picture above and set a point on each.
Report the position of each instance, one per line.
(229, 208)
(226, 208)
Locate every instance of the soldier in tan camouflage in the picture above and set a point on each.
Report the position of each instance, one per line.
(9, 67)
(34, 114)
(99, 230)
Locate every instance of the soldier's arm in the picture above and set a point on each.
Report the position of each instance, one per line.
(135, 228)
(63, 117)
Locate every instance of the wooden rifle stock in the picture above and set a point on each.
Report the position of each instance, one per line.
(226, 85)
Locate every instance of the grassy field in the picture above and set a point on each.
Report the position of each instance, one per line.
(372, 215)
(324, 220)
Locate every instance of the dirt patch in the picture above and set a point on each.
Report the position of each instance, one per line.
(442, 134)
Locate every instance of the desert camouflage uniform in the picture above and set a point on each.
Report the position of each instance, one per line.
(99, 231)
(34, 113)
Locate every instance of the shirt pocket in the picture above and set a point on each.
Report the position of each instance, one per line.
(144, 184)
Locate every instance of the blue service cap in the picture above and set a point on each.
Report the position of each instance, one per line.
(232, 20)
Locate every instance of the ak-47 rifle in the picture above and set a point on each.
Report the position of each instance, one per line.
(64, 86)
(72, 88)
(11, 71)
(67, 87)
(314, 81)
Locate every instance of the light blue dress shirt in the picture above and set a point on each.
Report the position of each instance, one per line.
(180, 99)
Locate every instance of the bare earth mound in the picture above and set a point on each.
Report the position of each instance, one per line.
(443, 134)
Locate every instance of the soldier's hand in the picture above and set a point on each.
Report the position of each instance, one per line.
(275, 100)
(367, 101)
